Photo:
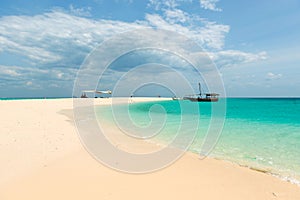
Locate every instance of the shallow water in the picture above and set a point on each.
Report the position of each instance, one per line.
(259, 133)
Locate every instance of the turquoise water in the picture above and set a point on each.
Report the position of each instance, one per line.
(259, 133)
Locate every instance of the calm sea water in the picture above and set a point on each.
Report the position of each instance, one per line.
(259, 133)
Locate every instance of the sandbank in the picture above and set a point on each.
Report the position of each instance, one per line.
(41, 157)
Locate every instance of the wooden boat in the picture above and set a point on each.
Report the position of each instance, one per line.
(83, 95)
(209, 97)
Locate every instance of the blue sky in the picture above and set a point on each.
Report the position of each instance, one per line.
(254, 44)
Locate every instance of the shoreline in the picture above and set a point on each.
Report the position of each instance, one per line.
(260, 169)
(40, 145)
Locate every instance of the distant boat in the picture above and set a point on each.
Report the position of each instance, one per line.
(176, 98)
(83, 95)
(94, 91)
(209, 97)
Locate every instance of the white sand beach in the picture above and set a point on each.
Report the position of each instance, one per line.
(41, 157)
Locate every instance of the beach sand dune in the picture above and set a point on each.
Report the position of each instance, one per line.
(42, 158)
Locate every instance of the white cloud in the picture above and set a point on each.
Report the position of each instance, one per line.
(55, 36)
(209, 35)
(176, 15)
(85, 12)
(16, 73)
(166, 4)
(11, 41)
(214, 34)
(272, 76)
(58, 37)
(210, 5)
(228, 58)
(56, 43)
(60, 75)
(54, 85)
(29, 83)
(5, 71)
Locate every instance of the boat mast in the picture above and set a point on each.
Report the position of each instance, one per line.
(200, 89)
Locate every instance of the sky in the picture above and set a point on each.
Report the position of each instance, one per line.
(254, 45)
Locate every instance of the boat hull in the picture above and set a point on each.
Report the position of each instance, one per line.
(199, 99)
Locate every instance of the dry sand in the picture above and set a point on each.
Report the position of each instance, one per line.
(41, 157)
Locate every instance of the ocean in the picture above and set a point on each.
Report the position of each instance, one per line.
(260, 133)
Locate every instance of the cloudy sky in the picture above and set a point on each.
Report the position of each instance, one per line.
(255, 44)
